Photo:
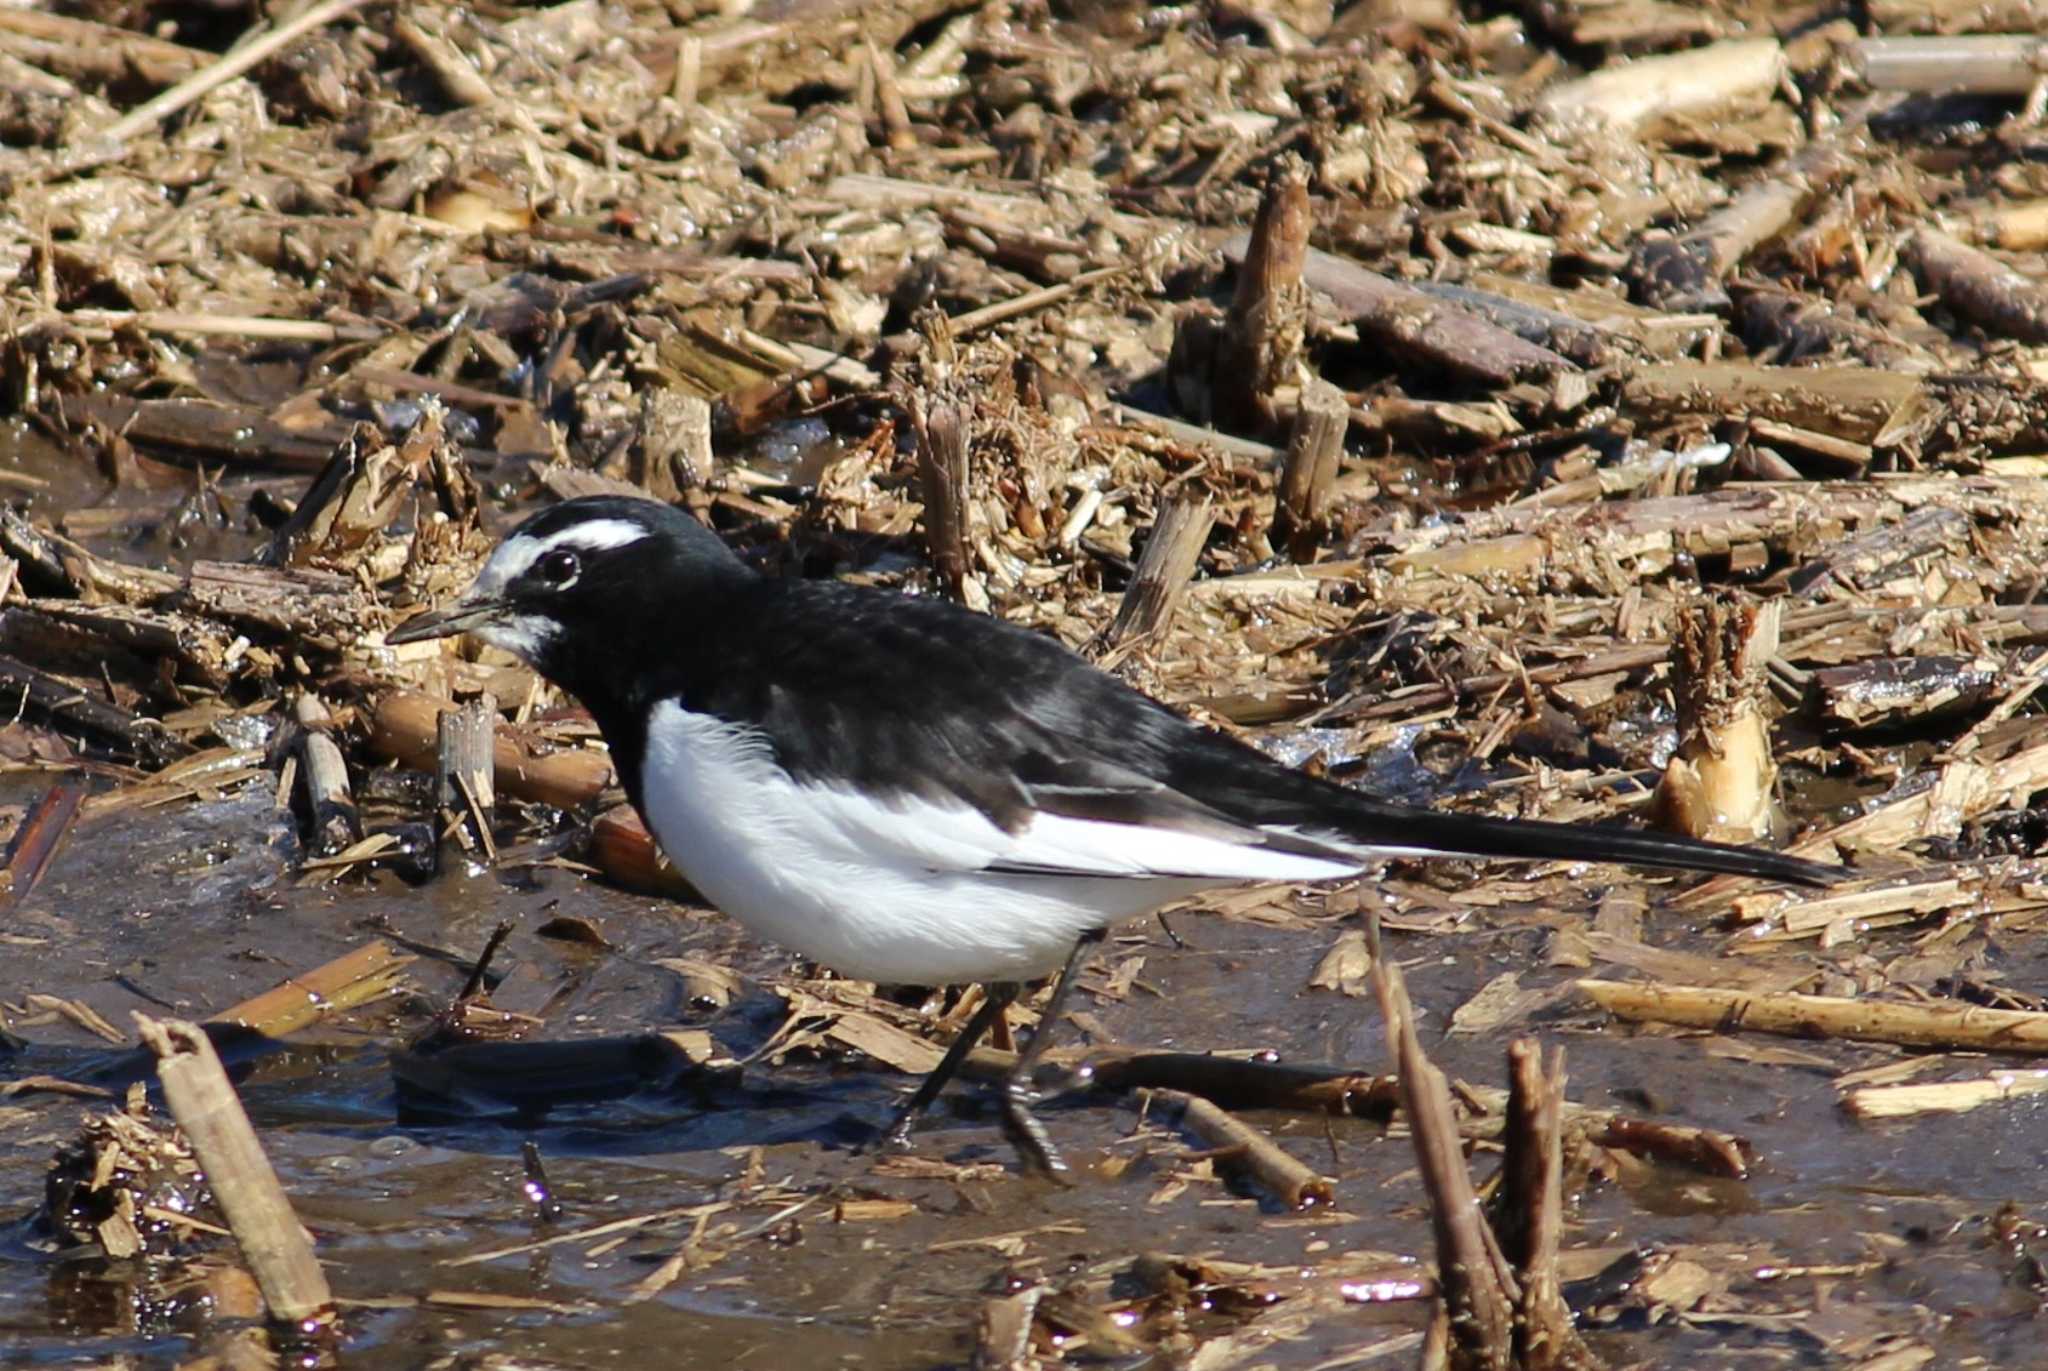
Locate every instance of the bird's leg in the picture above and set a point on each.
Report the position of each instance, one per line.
(996, 997)
(1020, 1125)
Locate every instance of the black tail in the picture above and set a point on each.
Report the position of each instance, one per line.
(1381, 824)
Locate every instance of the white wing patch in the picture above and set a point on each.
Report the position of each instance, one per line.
(910, 890)
(853, 830)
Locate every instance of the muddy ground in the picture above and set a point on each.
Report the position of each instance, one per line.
(1619, 411)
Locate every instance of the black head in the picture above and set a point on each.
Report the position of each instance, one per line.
(590, 578)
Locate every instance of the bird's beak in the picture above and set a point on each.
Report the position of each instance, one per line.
(459, 617)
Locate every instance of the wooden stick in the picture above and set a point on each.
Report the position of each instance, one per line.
(1313, 450)
(1419, 327)
(458, 77)
(1958, 1027)
(942, 421)
(272, 1241)
(250, 53)
(895, 115)
(1291, 1181)
(1978, 287)
(85, 48)
(1163, 570)
(35, 842)
(974, 320)
(1479, 1290)
(1530, 1215)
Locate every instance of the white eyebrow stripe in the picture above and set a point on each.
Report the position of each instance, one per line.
(594, 535)
(517, 554)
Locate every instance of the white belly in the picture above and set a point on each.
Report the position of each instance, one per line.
(892, 894)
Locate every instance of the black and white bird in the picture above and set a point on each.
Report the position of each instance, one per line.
(908, 792)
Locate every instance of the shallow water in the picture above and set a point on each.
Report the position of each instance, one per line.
(189, 909)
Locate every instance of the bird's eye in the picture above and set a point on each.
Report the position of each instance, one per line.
(559, 568)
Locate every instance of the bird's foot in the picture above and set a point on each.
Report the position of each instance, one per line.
(896, 1137)
(1033, 1143)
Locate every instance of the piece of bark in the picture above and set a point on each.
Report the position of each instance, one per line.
(942, 417)
(1889, 692)
(1686, 272)
(1868, 559)
(219, 435)
(1848, 402)
(36, 840)
(1301, 503)
(675, 450)
(1780, 327)
(273, 1242)
(51, 562)
(166, 645)
(1420, 331)
(1259, 348)
(316, 609)
(1164, 568)
(1584, 343)
(1977, 287)
(24, 688)
(1722, 781)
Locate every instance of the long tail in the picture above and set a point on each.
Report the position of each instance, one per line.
(1391, 828)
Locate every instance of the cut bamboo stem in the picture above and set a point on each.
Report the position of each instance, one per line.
(466, 788)
(1974, 64)
(1722, 782)
(330, 805)
(1959, 1027)
(272, 1240)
